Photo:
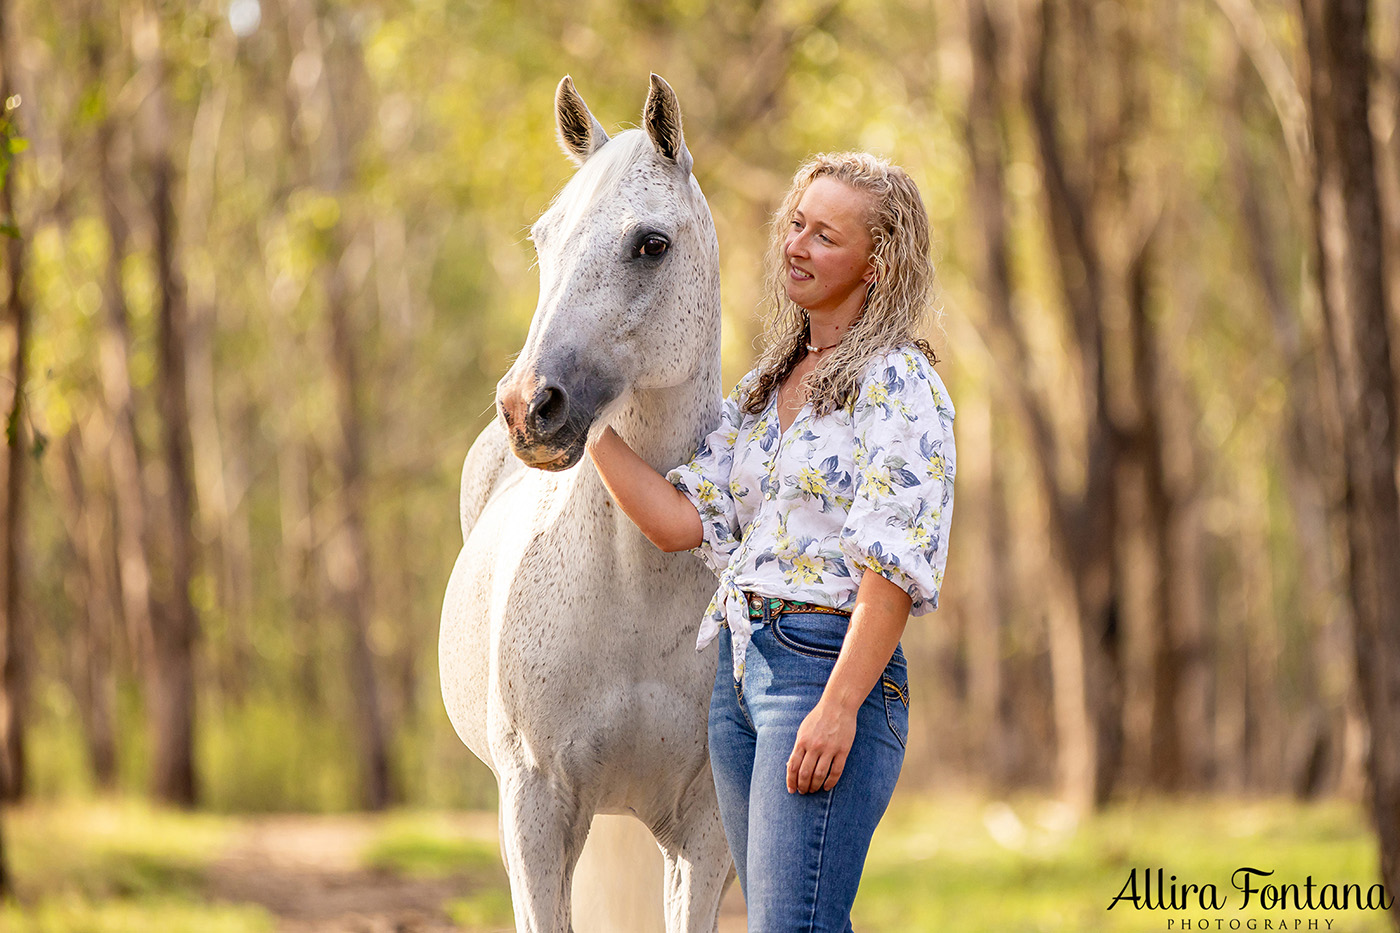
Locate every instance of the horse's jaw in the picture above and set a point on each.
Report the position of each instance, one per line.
(548, 459)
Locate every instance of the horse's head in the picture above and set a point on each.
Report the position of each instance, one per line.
(628, 281)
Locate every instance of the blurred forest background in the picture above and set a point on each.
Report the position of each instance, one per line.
(266, 260)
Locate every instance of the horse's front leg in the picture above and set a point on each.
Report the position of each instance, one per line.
(698, 866)
(542, 834)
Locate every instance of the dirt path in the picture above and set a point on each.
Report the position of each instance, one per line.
(306, 872)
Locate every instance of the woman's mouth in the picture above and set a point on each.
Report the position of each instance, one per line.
(798, 275)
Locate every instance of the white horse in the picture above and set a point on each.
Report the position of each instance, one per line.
(566, 651)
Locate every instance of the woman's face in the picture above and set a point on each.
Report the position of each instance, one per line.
(828, 249)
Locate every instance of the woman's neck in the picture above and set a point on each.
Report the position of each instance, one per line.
(826, 329)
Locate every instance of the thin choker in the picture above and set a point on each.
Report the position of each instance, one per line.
(812, 349)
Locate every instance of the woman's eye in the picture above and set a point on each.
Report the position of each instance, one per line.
(653, 245)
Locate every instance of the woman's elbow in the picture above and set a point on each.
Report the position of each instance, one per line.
(674, 543)
(672, 540)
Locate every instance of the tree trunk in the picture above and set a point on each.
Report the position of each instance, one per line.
(13, 673)
(348, 564)
(172, 700)
(96, 681)
(1339, 71)
(114, 355)
(1311, 464)
(1082, 525)
(1082, 619)
(349, 560)
(215, 465)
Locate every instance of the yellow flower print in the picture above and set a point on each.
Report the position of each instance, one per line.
(707, 493)
(812, 480)
(920, 536)
(937, 468)
(806, 568)
(877, 481)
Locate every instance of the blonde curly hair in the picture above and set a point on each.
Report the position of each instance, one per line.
(896, 304)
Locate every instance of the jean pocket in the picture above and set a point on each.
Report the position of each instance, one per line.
(815, 634)
(894, 686)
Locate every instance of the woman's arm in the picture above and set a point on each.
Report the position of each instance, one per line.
(825, 737)
(660, 510)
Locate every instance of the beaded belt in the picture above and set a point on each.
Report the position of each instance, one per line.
(757, 603)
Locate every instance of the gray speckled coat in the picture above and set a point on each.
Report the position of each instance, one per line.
(566, 650)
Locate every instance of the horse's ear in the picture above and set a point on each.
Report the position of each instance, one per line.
(662, 118)
(580, 135)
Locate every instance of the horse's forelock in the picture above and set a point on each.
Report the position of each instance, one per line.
(600, 176)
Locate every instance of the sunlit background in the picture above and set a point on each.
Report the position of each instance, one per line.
(274, 257)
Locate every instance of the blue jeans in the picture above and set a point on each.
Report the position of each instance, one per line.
(800, 856)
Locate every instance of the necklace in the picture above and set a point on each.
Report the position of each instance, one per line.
(812, 349)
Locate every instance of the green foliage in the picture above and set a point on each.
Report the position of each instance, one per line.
(420, 193)
(265, 754)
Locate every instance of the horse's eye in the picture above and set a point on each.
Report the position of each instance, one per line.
(653, 245)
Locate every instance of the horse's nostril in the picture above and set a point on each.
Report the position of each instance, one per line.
(548, 410)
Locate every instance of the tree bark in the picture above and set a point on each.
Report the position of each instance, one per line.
(1085, 632)
(94, 675)
(1339, 69)
(124, 454)
(13, 673)
(218, 469)
(1310, 459)
(1078, 597)
(172, 700)
(322, 103)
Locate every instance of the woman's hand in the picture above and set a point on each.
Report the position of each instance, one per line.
(823, 741)
(660, 510)
(825, 737)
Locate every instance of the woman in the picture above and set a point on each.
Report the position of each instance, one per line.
(822, 501)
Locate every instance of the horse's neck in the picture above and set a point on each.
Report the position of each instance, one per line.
(664, 426)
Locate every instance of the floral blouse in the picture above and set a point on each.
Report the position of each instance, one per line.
(802, 514)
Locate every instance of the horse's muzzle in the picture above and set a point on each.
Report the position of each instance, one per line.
(548, 420)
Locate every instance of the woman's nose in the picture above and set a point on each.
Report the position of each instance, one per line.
(796, 245)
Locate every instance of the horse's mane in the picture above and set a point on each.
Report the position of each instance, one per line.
(600, 175)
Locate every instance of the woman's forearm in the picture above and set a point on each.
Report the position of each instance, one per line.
(877, 624)
(826, 735)
(661, 511)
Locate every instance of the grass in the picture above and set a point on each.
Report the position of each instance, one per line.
(976, 866)
(939, 863)
(117, 868)
(419, 845)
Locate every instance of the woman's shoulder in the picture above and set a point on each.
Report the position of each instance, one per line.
(907, 373)
(742, 387)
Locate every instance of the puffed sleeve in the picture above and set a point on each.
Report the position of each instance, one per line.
(705, 482)
(904, 459)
